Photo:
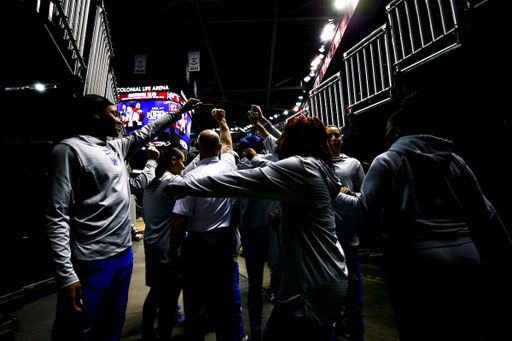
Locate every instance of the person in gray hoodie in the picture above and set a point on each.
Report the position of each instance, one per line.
(433, 210)
(88, 219)
(314, 276)
(351, 174)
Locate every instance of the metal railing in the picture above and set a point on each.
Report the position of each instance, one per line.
(417, 25)
(99, 79)
(326, 101)
(72, 17)
(368, 71)
(415, 32)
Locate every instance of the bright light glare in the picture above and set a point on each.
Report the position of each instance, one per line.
(285, 112)
(307, 79)
(296, 108)
(328, 32)
(339, 4)
(39, 87)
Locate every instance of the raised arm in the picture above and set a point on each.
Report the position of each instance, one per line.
(285, 180)
(225, 135)
(136, 140)
(141, 182)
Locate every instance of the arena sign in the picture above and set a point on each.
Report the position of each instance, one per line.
(143, 88)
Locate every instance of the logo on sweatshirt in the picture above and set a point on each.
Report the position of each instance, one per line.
(112, 158)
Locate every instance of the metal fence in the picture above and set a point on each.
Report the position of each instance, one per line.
(72, 17)
(423, 28)
(99, 79)
(368, 71)
(416, 31)
(326, 101)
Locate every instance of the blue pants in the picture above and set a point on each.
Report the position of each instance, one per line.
(105, 285)
(210, 278)
(352, 321)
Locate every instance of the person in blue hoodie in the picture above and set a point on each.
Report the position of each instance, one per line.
(314, 275)
(433, 211)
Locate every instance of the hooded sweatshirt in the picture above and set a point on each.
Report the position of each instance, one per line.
(314, 276)
(428, 196)
(351, 174)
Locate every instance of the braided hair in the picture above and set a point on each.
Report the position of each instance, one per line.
(309, 137)
(164, 160)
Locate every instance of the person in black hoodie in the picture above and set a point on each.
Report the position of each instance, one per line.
(432, 207)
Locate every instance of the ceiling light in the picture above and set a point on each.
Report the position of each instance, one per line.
(339, 4)
(276, 116)
(307, 79)
(296, 108)
(39, 87)
(322, 48)
(328, 32)
(285, 112)
(312, 73)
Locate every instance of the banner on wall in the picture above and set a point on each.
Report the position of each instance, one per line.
(194, 61)
(140, 64)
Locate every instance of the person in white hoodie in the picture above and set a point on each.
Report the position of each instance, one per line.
(433, 211)
(314, 276)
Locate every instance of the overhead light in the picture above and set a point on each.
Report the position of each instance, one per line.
(339, 4)
(271, 117)
(298, 104)
(39, 87)
(322, 48)
(307, 79)
(301, 97)
(328, 32)
(296, 108)
(312, 73)
(285, 112)
(276, 116)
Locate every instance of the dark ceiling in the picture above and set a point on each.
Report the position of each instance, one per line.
(252, 51)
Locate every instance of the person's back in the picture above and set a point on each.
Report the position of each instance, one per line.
(157, 212)
(423, 199)
(207, 214)
(209, 251)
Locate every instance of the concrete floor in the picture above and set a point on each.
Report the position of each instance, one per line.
(36, 315)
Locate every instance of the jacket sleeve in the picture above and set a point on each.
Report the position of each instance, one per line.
(373, 191)
(282, 181)
(64, 181)
(141, 182)
(128, 145)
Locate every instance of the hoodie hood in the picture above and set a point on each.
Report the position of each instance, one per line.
(424, 148)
